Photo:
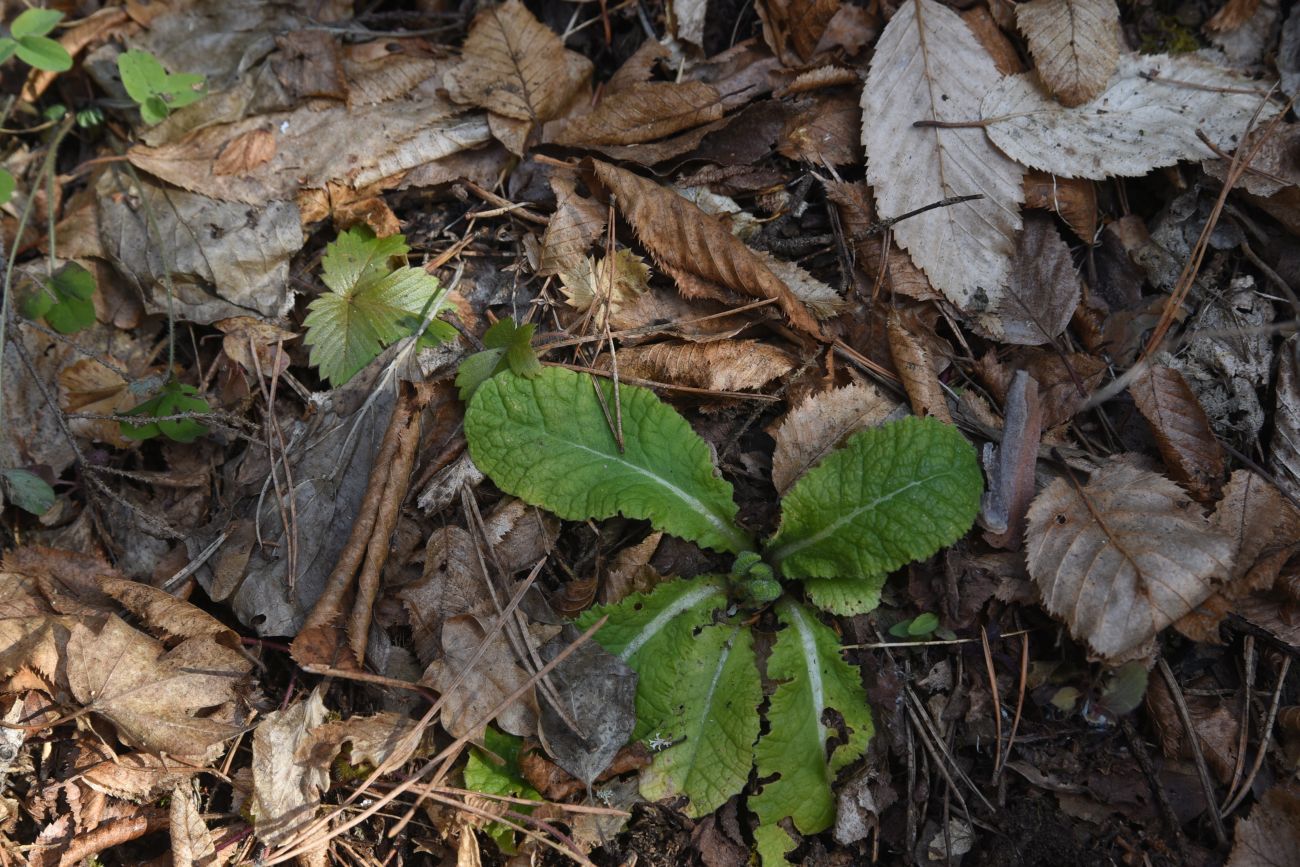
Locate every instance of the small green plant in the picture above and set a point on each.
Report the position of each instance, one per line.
(26, 490)
(155, 90)
(157, 413)
(920, 626)
(890, 495)
(65, 301)
(375, 299)
(506, 347)
(27, 38)
(483, 773)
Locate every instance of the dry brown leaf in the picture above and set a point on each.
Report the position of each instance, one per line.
(287, 781)
(519, 535)
(1073, 199)
(1064, 381)
(86, 386)
(631, 572)
(729, 365)
(165, 613)
(1011, 464)
(1233, 14)
(1216, 725)
(818, 425)
(518, 69)
(792, 28)
(467, 707)
(577, 222)
(912, 361)
(182, 702)
(821, 77)
(1182, 430)
(858, 216)
(605, 286)
(826, 132)
(1122, 557)
(1270, 836)
(245, 153)
(453, 583)
(644, 112)
(1075, 44)
(246, 335)
(32, 634)
(138, 777)
(384, 739)
(686, 242)
(1284, 448)
(192, 844)
(1042, 292)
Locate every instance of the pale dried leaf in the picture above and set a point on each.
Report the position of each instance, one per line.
(89, 387)
(816, 427)
(631, 572)
(467, 707)
(1182, 431)
(454, 582)
(575, 225)
(731, 365)
(1042, 292)
(912, 361)
(245, 152)
(821, 77)
(519, 535)
(192, 844)
(689, 17)
(1270, 836)
(644, 112)
(287, 784)
(1284, 449)
(686, 241)
(605, 286)
(1075, 44)
(1148, 116)
(1232, 15)
(246, 336)
(1122, 557)
(386, 739)
(164, 612)
(929, 66)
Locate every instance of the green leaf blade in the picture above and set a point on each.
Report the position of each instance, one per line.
(44, 53)
(845, 596)
(73, 288)
(813, 678)
(142, 75)
(357, 258)
(546, 440)
(35, 22)
(28, 491)
(891, 495)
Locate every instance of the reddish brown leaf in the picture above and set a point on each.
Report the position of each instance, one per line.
(1073, 199)
(730, 365)
(858, 216)
(912, 361)
(826, 132)
(792, 28)
(1182, 430)
(645, 112)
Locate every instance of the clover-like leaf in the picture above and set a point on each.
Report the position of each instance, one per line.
(175, 398)
(44, 53)
(35, 22)
(548, 441)
(65, 301)
(507, 344)
(812, 679)
(891, 495)
(371, 303)
(154, 89)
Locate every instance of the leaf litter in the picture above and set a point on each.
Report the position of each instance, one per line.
(721, 211)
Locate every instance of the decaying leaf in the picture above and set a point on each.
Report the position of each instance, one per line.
(1284, 449)
(631, 572)
(1148, 116)
(818, 425)
(1010, 465)
(576, 223)
(824, 132)
(1270, 835)
(192, 844)
(1216, 724)
(729, 365)
(1182, 430)
(928, 66)
(688, 243)
(605, 286)
(1075, 44)
(89, 387)
(912, 361)
(1042, 292)
(287, 784)
(1122, 557)
(858, 216)
(792, 28)
(1073, 199)
(643, 112)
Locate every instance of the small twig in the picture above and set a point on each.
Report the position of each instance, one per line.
(1198, 755)
(997, 700)
(1263, 739)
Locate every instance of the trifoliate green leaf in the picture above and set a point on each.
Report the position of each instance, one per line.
(44, 53)
(35, 22)
(484, 774)
(72, 291)
(891, 495)
(28, 491)
(812, 678)
(371, 303)
(845, 596)
(711, 718)
(507, 345)
(154, 89)
(547, 441)
(174, 399)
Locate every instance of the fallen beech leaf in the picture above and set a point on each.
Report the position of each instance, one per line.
(1042, 292)
(912, 361)
(1284, 448)
(1011, 464)
(245, 153)
(287, 784)
(164, 612)
(1148, 116)
(1189, 447)
(575, 225)
(821, 77)
(929, 66)
(818, 425)
(730, 365)
(1073, 199)
(87, 386)
(192, 844)
(792, 28)
(644, 112)
(1075, 44)
(1270, 836)
(1233, 14)
(1122, 557)
(686, 241)
(824, 133)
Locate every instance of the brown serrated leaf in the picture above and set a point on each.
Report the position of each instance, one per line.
(1042, 291)
(496, 675)
(1010, 465)
(818, 425)
(821, 77)
(915, 369)
(1188, 445)
(287, 784)
(605, 286)
(168, 615)
(86, 386)
(825, 133)
(138, 777)
(1270, 836)
(1073, 199)
(192, 844)
(1233, 14)
(1216, 726)
(631, 572)
(729, 365)
(245, 152)
(384, 739)
(1122, 557)
(577, 222)
(792, 28)
(684, 240)
(858, 216)
(1075, 44)
(644, 112)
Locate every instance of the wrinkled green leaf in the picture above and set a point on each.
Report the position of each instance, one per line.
(845, 596)
(35, 22)
(484, 774)
(44, 53)
(28, 491)
(893, 494)
(812, 677)
(371, 303)
(174, 399)
(546, 440)
(507, 344)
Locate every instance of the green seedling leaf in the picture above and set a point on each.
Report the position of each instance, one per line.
(35, 22)
(484, 774)
(174, 399)
(373, 302)
(547, 441)
(44, 53)
(712, 719)
(508, 345)
(67, 300)
(7, 186)
(891, 495)
(28, 491)
(917, 627)
(8, 48)
(845, 596)
(812, 678)
(1125, 688)
(155, 90)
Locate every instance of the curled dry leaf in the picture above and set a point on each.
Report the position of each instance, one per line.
(1148, 116)
(384, 739)
(687, 242)
(575, 225)
(287, 785)
(164, 612)
(1189, 447)
(912, 361)
(730, 365)
(1042, 292)
(247, 335)
(1122, 557)
(817, 426)
(1075, 44)
(631, 572)
(643, 112)
(89, 387)
(1270, 836)
(929, 66)
(1073, 199)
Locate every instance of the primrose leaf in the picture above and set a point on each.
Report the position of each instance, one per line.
(44, 53)
(369, 306)
(73, 307)
(891, 495)
(812, 678)
(845, 596)
(28, 491)
(546, 440)
(711, 718)
(174, 399)
(35, 22)
(483, 774)
(507, 345)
